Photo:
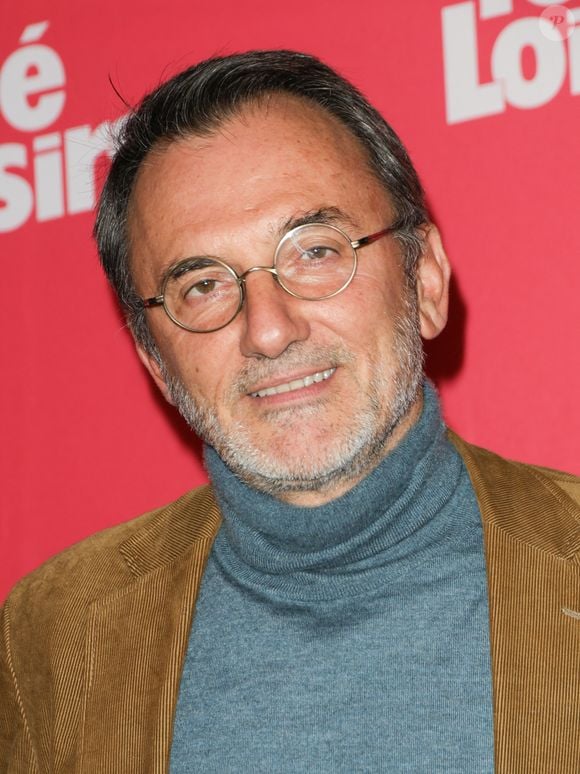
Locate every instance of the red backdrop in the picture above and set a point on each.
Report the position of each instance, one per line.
(486, 97)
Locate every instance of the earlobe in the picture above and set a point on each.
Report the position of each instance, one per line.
(433, 275)
(152, 365)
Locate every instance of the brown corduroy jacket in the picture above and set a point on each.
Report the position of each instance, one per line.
(93, 642)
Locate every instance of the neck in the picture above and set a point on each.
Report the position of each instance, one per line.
(336, 488)
(416, 471)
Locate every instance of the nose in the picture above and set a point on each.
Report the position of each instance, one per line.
(272, 319)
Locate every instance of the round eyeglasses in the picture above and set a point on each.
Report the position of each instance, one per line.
(312, 262)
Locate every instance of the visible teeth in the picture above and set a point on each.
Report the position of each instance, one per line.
(295, 384)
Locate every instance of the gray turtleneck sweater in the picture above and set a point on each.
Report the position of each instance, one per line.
(351, 637)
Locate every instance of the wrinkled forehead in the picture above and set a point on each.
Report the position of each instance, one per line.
(271, 162)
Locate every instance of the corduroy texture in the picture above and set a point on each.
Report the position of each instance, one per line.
(106, 626)
(532, 537)
(93, 642)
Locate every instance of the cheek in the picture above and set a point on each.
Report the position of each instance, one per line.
(206, 364)
(376, 300)
(178, 353)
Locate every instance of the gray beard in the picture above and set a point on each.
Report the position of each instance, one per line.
(358, 454)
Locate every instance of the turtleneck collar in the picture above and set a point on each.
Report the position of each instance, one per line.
(271, 542)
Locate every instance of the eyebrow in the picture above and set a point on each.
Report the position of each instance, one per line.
(182, 265)
(326, 215)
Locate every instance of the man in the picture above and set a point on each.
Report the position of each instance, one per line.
(377, 595)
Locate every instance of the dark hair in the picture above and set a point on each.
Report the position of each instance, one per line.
(198, 100)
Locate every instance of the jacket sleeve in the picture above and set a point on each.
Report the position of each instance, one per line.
(16, 750)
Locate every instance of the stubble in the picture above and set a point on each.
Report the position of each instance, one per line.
(351, 454)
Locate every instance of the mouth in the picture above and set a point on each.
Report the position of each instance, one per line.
(294, 384)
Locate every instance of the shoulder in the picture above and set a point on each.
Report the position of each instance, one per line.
(568, 482)
(529, 503)
(47, 623)
(113, 558)
(489, 464)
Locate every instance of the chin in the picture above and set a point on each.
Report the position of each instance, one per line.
(300, 463)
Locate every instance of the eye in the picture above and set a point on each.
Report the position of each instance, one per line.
(319, 252)
(202, 287)
(209, 283)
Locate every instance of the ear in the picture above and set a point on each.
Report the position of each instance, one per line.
(154, 369)
(433, 275)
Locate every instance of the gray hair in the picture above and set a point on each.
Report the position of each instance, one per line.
(198, 100)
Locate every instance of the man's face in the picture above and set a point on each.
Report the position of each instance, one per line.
(347, 369)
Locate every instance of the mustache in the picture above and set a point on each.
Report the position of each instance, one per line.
(298, 355)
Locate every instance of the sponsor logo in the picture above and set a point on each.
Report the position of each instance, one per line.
(49, 174)
(552, 36)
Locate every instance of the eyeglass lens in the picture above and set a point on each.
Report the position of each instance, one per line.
(312, 262)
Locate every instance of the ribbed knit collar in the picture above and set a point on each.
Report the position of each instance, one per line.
(312, 553)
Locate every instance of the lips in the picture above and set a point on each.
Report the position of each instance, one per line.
(294, 384)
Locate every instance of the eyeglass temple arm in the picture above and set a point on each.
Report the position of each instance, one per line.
(155, 301)
(368, 240)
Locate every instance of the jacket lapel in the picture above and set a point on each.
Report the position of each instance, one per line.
(532, 540)
(136, 642)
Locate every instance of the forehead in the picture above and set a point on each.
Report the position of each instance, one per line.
(271, 162)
